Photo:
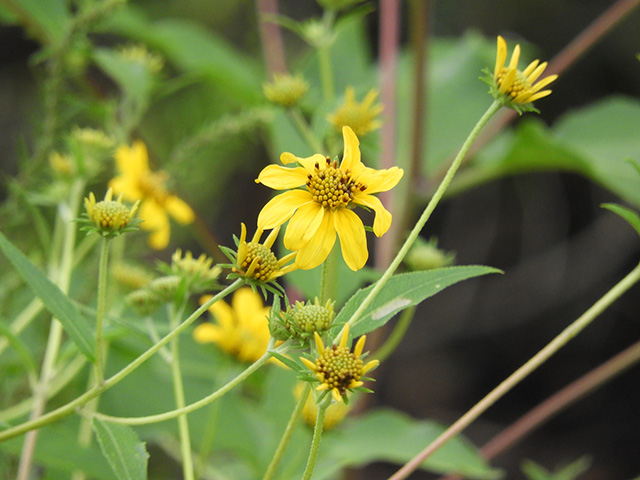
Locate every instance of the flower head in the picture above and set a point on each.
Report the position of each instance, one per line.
(137, 182)
(109, 217)
(360, 116)
(198, 274)
(323, 206)
(337, 368)
(334, 414)
(241, 328)
(302, 320)
(518, 89)
(286, 90)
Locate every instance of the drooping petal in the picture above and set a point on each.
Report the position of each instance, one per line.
(159, 238)
(382, 220)
(351, 159)
(380, 180)
(282, 178)
(280, 208)
(353, 239)
(314, 252)
(179, 210)
(303, 225)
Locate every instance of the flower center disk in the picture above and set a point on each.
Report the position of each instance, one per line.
(266, 261)
(338, 368)
(332, 187)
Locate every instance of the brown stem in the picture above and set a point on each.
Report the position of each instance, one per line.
(271, 36)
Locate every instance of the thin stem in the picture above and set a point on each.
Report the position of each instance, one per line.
(324, 58)
(286, 436)
(271, 36)
(69, 408)
(317, 436)
(538, 359)
(178, 393)
(100, 308)
(66, 212)
(305, 130)
(329, 276)
(397, 334)
(161, 417)
(426, 214)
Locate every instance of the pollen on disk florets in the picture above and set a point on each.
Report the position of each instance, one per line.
(331, 186)
(108, 217)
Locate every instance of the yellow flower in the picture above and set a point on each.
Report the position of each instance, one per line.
(333, 416)
(255, 260)
(324, 207)
(361, 117)
(241, 329)
(515, 86)
(337, 368)
(137, 181)
(109, 217)
(286, 90)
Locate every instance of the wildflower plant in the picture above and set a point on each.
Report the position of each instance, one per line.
(197, 330)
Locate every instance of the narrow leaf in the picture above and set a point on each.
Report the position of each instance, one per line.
(629, 215)
(402, 291)
(122, 448)
(56, 302)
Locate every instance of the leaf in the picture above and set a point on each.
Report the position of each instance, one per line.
(629, 215)
(535, 472)
(402, 291)
(387, 435)
(122, 448)
(56, 302)
(132, 77)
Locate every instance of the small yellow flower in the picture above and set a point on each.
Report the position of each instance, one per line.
(286, 90)
(137, 181)
(62, 165)
(199, 274)
(519, 87)
(360, 116)
(337, 368)
(140, 55)
(109, 217)
(335, 413)
(241, 329)
(255, 260)
(131, 276)
(323, 207)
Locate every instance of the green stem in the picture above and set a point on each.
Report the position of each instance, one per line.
(178, 393)
(161, 417)
(100, 308)
(426, 214)
(63, 279)
(288, 432)
(305, 130)
(317, 436)
(329, 276)
(70, 408)
(326, 73)
(516, 377)
(396, 335)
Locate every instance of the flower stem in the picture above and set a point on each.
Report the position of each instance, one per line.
(100, 307)
(305, 130)
(286, 436)
(397, 334)
(161, 417)
(70, 408)
(317, 436)
(426, 214)
(516, 377)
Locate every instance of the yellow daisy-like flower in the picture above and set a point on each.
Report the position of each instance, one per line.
(360, 116)
(519, 87)
(241, 329)
(109, 217)
(137, 182)
(324, 206)
(337, 368)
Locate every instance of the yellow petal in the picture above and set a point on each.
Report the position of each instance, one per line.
(539, 95)
(159, 239)
(128, 186)
(179, 210)
(310, 365)
(359, 346)
(380, 180)
(382, 220)
(543, 83)
(531, 67)
(370, 366)
(353, 239)
(314, 252)
(351, 159)
(206, 333)
(303, 225)
(515, 56)
(223, 314)
(507, 81)
(501, 56)
(335, 393)
(282, 178)
(344, 338)
(279, 209)
(308, 163)
(248, 305)
(154, 216)
(319, 344)
(534, 74)
(133, 161)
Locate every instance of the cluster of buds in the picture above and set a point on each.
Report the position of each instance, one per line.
(302, 320)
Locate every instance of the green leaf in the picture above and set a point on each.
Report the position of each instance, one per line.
(45, 21)
(122, 448)
(361, 442)
(402, 291)
(56, 302)
(132, 77)
(535, 472)
(629, 215)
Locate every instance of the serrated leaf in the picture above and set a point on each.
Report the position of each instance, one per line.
(122, 448)
(402, 291)
(629, 215)
(54, 300)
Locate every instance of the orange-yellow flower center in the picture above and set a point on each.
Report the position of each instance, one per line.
(152, 185)
(266, 263)
(338, 368)
(110, 214)
(520, 83)
(332, 187)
